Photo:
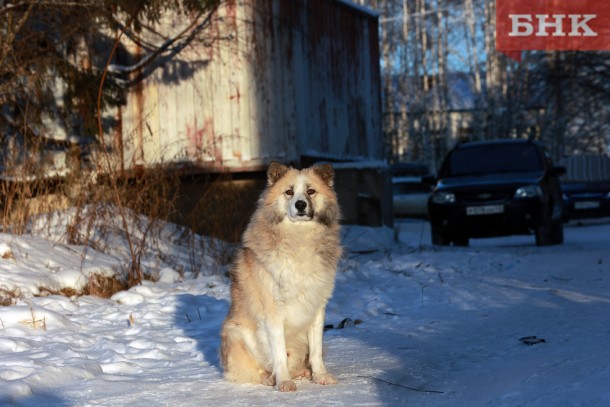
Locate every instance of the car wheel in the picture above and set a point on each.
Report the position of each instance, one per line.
(439, 238)
(557, 232)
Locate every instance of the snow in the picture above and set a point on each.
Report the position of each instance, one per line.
(429, 326)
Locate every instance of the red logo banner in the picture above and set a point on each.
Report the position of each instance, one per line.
(579, 25)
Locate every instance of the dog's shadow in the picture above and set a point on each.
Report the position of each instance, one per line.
(200, 317)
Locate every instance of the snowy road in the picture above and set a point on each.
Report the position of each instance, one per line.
(440, 327)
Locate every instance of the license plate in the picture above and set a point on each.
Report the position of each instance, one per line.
(484, 210)
(587, 205)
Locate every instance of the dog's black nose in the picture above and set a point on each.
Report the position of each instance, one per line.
(300, 205)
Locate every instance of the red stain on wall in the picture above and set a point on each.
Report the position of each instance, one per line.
(201, 138)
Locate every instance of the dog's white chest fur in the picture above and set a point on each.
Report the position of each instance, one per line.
(299, 277)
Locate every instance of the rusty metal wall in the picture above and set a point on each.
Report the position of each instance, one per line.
(276, 80)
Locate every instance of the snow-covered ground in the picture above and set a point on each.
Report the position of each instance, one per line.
(437, 326)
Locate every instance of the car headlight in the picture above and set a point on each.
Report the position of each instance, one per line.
(530, 191)
(443, 197)
(608, 195)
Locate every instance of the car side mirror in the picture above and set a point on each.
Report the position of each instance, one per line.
(559, 170)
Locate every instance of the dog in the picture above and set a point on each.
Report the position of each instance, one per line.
(281, 281)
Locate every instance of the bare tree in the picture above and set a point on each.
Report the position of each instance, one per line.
(561, 98)
(577, 95)
(53, 56)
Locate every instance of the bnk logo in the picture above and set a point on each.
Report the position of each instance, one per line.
(552, 25)
(560, 25)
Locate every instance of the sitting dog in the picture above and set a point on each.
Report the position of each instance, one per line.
(281, 280)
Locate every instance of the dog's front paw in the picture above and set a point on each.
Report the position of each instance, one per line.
(325, 378)
(303, 374)
(287, 385)
(267, 379)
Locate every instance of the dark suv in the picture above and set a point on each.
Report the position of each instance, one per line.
(497, 188)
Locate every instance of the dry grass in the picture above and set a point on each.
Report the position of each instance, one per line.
(35, 322)
(104, 287)
(144, 199)
(8, 297)
(150, 198)
(28, 186)
(97, 286)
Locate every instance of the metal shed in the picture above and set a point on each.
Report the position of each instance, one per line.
(279, 80)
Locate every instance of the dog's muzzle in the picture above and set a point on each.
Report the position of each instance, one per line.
(303, 210)
(301, 206)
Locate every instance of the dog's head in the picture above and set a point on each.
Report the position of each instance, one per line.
(302, 196)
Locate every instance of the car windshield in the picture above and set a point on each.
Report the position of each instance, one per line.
(492, 158)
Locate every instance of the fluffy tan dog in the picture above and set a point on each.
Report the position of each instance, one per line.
(282, 279)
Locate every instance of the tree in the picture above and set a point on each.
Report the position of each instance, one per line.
(577, 91)
(63, 63)
(561, 98)
(55, 53)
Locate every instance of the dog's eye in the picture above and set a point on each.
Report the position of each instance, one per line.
(289, 192)
(311, 191)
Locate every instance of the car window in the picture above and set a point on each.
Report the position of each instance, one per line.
(492, 158)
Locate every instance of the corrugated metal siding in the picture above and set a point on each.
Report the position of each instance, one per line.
(586, 168)
(296, 77)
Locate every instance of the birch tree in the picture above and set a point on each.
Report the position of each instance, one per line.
(561, 98)
(474, 68)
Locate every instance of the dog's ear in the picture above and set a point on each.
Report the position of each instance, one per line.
(275, 171)
(326, 172)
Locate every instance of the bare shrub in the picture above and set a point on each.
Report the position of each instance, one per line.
(136, 206)
(105, 287)
(103, 198)
(217, 207)
(26, 185)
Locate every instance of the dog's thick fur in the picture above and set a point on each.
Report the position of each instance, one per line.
(282, 279)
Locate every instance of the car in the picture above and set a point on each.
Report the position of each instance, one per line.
(586, 200)
(586, 187)
(497, 188)
(410, 196)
